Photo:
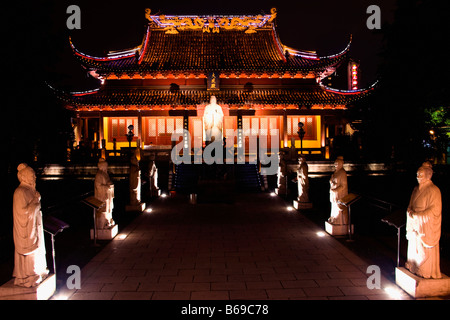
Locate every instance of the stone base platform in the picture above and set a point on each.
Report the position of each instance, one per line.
(302, 205)
(43, 291)
(135, 208)
(338, 229)
(418, 287)
(106, 234)
(155, 193)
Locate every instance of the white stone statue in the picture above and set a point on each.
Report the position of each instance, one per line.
(423, 226)
(153, 178)
(302, 180)
(135, 180)
(282, 174)
(30, 265)
(104, 191)
(338, 190)
(213, 121)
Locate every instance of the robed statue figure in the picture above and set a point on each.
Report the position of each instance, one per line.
(213, 121)
(338, 190)
(30, 265)
(423, 226)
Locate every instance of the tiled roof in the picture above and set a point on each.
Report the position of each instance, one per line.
(144, 97)
(196, 50)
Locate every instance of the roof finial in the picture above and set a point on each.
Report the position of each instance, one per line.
(147, 14)
(273, 14)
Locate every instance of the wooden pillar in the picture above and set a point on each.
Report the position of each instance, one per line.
(285, 133)
(186, 135)
(86, 132)
(240, 140)
(101, 135)
(140, 140)
(322, 132)
(77, 130)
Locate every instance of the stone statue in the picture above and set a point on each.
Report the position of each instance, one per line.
(153, 177)
(302, 180)
(282, 174)
(104, 191)
(423, 226)
(30, 265)
(213, 121)
(135, 180)
(338, 190)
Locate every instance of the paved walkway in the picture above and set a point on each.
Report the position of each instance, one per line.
(249, 246)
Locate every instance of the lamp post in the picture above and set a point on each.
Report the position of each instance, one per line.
(301, 134)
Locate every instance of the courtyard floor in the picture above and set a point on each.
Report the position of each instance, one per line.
(240, 247)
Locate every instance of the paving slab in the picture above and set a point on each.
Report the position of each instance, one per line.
(252, 247)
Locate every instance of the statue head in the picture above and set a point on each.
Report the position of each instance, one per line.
(102, 164)
(339, 163)
(213, 100)
(424, 173)
(26, 175)
(301, 159)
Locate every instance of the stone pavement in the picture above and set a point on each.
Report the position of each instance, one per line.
(246, 247)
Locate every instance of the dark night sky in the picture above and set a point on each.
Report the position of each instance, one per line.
(323, 26)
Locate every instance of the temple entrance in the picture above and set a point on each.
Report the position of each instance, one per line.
(262, 127)
(158, 130)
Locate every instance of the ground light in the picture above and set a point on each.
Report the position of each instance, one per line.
(290, 208)
(163, 195)
(321, 234)
(121, 236)
(393, 292)
(61, 296)
(148, 210)
(273, 194)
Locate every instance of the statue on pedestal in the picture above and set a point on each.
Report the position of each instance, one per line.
(423, 226)
(281, 174)
(302, 180)
(135, 180)
(213, 121)
(30, 265)
(104, 191)
(338, 190)
(153, 178)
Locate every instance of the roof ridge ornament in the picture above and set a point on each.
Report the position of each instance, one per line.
(211, 23)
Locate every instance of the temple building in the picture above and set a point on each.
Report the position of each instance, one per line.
(162, 86)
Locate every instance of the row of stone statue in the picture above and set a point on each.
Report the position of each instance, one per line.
(423, 215)
(30, 266)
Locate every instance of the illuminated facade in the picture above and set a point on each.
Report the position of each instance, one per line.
(163, 85)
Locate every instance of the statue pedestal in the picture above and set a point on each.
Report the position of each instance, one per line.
(280, 191)
(107, 233)
(302, 205)
(418, 287)
(337, 229)
(135, 207)
(43, 291)
(193, 198)
(155, 193)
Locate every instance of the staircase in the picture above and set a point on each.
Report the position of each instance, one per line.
(247, 178)
(186, 178)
